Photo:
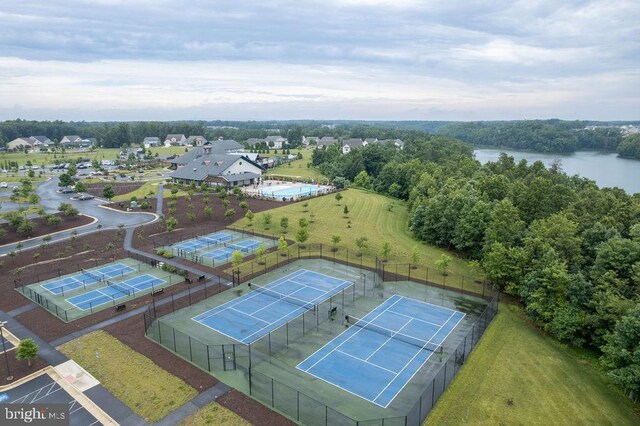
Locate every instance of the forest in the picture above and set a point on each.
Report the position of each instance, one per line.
(549, 136)
(567, 250)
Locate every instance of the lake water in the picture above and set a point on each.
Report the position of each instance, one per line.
(606, 169)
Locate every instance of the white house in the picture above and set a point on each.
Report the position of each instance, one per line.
(276, 142)
(352, 144)
(19, 144)
(176, 139)
(326, 141)
(71, 140)
(151, 142)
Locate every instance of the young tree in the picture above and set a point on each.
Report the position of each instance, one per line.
(303, 222)
(261, 251)
(302, 235)
(339, 197)
(335, 240)
(386, 250)
(108, 192)
(27, 349)
(362, 243)
(80, 187)
(243, 205)
(284, 224)
(346, 211)
(236, 258)
(171, 223)
(305, 206)
(266, 220)
(443, 263)
(415, 254)
(229, 213)
(282, 245)
(249, 215)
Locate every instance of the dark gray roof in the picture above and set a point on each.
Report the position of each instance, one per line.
(190, 139)
(174, 136)
(275, 138)
(354, 143)
(73, 138)
(371, 140)
(152, 139)
(225, 145)
(240, 176)
(42, 139)
(204, 165)
(327, 140)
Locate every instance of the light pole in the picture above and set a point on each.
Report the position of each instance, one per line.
(4, 350)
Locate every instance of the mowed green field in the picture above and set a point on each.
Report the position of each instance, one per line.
(548, 383)
(296, 169)
(46, 158)
(375, 216)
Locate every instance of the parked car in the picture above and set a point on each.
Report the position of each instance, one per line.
(67, 190)
(3, 185)
(83, 197)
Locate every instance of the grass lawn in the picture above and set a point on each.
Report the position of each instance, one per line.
(549, 383)
(46, 158)
(134, 379)
(375, 216)
(297, 169)
(214, 414)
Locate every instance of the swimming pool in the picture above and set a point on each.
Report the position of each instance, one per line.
(293, 190)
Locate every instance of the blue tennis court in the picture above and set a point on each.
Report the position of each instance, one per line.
(224, 253)
(264, 309)
(378, 355)
(87, 277)
(204, 241)
(114, 291)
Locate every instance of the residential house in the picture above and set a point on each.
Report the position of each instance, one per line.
(252, 142)
(370, 141)
(151, 142)
(276, 142)
(196, 141)
(326, 141)
(70, 141)
(225, 145)
(175, 140)
(310, 140)
(19, 144)
(352, 144)
(138, 153)
(398, 143)
(40, 141)
(216, 169)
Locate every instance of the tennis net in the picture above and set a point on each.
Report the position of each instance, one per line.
(94, 275)
(284, 297)
(122, 289)
(392, 334)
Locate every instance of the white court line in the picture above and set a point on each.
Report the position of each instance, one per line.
(89, 301)
(390, 337)
(365, 361)
(427, 359)
(348, 338)
(243, 299)
(415, 319)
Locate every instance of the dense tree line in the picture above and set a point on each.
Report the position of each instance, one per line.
(630, 147)
(565, 248)
(536, 135)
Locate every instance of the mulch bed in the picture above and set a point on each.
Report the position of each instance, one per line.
(119, 188)
(146, 235)
(251, 410)
(42, 228)
(19, 369)
(52, 260)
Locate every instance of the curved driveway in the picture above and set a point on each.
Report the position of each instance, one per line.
(50, 199)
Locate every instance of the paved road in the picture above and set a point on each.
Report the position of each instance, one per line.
(109, 219)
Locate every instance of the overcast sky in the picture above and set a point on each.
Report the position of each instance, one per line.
(325, 59)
